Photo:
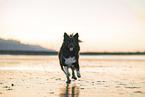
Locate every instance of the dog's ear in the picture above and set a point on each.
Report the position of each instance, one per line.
(76, 36)
(65, 36)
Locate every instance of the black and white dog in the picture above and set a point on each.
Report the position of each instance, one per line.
(69, 55)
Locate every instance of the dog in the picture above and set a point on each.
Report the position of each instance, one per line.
(69, 56)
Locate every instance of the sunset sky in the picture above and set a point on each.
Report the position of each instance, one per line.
(103, 25)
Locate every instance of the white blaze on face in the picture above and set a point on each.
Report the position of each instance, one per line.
(69, 61)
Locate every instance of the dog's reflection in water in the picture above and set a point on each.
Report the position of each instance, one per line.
(70, 91)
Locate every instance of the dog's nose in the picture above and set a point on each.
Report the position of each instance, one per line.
(71, 45)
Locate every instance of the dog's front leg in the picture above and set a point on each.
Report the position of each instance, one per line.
(73, 74)
(65, 68)
(78, 70)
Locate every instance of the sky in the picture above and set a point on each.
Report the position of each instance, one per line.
(103, 25)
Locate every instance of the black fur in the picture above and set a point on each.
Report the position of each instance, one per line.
(69, 49)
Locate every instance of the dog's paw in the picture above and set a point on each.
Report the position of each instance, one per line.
(78, 74)
(68, 82)
(74, 78)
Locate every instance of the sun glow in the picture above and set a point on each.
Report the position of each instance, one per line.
(102, 26)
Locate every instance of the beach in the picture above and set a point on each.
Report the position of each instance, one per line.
(102, 76)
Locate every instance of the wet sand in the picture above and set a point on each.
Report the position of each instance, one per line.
(102, 76)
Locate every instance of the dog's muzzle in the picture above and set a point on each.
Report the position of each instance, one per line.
(71, 47)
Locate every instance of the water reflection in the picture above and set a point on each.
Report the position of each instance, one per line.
(70, 91)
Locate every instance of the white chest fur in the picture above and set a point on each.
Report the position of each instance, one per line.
(69, 61)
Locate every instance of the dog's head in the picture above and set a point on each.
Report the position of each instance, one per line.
(71, 42)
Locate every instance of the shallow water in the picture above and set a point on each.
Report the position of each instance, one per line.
(41, 76)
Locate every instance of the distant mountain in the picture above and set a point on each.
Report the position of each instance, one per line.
(13, 45)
